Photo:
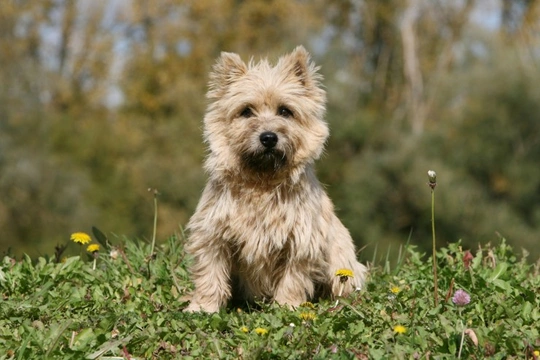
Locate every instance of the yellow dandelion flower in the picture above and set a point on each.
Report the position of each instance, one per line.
(395, 290)
(536, 353)
(244, 329)
(261, 331)
(81, 238)
(400, 329)
(92, 248)
(307, 316)
(344, 273)
(307, 304)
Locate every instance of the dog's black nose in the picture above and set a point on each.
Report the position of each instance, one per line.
(268, 139)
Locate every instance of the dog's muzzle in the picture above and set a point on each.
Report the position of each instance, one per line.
(268, 158)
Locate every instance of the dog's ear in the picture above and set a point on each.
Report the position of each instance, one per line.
(299, 64)
(227, 69)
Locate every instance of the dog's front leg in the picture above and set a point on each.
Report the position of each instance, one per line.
(294, 288)
(211, 275)
(342, 255)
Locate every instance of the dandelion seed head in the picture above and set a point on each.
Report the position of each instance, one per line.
(432, 176)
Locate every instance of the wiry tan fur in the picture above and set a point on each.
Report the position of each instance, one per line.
(264, 221)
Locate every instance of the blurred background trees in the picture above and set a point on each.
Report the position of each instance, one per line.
(100, 101)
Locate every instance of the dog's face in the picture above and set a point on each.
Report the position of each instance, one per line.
(262, 120)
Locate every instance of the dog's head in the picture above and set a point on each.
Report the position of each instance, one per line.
(265, 121)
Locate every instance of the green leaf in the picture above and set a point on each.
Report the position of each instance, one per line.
(501, 284)
(100, 237)
(83, 339)
(56, 333)
(109, 345)
(500, 269)
(526, 310)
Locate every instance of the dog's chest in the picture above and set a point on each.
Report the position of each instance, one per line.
(263, 225)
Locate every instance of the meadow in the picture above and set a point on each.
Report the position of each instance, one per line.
(101, 100)
(119, 302)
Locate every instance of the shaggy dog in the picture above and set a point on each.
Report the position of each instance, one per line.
(265, 228)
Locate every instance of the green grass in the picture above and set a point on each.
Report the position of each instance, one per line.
(129, 307)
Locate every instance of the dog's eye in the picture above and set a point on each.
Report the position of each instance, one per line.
(285, 112)
(246, 113)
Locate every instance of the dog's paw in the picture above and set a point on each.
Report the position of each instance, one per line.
(196, 307)
(192, 308)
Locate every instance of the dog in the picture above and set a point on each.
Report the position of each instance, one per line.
(264, 228)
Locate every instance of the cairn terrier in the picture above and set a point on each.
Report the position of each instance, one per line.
(264, 227)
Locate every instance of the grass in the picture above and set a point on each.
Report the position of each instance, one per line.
(130, 307)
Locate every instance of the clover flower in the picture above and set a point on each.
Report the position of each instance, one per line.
(80, 238)
(400, 329)
(261, 331)
(461, 298)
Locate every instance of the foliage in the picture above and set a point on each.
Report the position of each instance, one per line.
(130, 305)
(102, 100)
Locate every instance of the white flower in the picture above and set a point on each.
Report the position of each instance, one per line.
(113, 254)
